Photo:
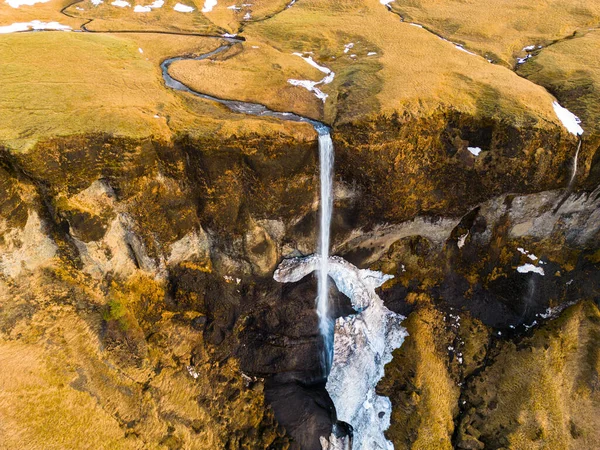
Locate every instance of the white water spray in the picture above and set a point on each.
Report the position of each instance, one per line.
(574, 173)
(326, 157)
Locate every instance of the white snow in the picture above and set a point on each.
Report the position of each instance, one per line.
(247, 16)
(97, 2)
(142, 9)
(180, 7)
(209, 5)
(474, 150)
(140, 50)
(17, 3)
(33, 25)
(371, 53)
(363, 345)
(234, 7)
(568, 119)
(385, 2)
(312, 85)
(157, 4)
(310, 61)
(193, 373)
(531, 256)
(347, 47)
(528, 48)
(121, 3)
(526, 268)
(522, 60)
(416, 25)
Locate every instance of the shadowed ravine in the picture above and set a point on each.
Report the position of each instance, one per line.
(355, 360)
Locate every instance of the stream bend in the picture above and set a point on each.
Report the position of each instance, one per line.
(253, 109)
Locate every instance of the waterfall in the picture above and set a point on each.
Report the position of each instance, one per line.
(326, 157)
(574, 173)
(569, 189)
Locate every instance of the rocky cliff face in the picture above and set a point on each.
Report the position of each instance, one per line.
(139, 275)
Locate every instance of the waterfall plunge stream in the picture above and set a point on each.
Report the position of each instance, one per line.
(326, 157)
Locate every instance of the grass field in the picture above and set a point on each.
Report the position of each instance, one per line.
(571, 69)
(60, 84)
(501, 29)
(391, 66)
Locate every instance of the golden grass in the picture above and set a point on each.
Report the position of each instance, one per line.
(63, 387)
(412, 71)
(501, 29)
(61, 84)
(258, 73)
(422, 417)
(545, 389)
(70, 83)
(42, 406)
(571, 69)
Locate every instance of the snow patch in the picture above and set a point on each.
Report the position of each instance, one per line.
(371, 53)
(209, 5)
(180, 7)
(17, 3)
(121, 3)
(568, 119)
(347, 47)
(35, 25)
(526, 268)
(531, 256)
(142, 9)
(312, 85)
(474, 150)
(312, 62)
